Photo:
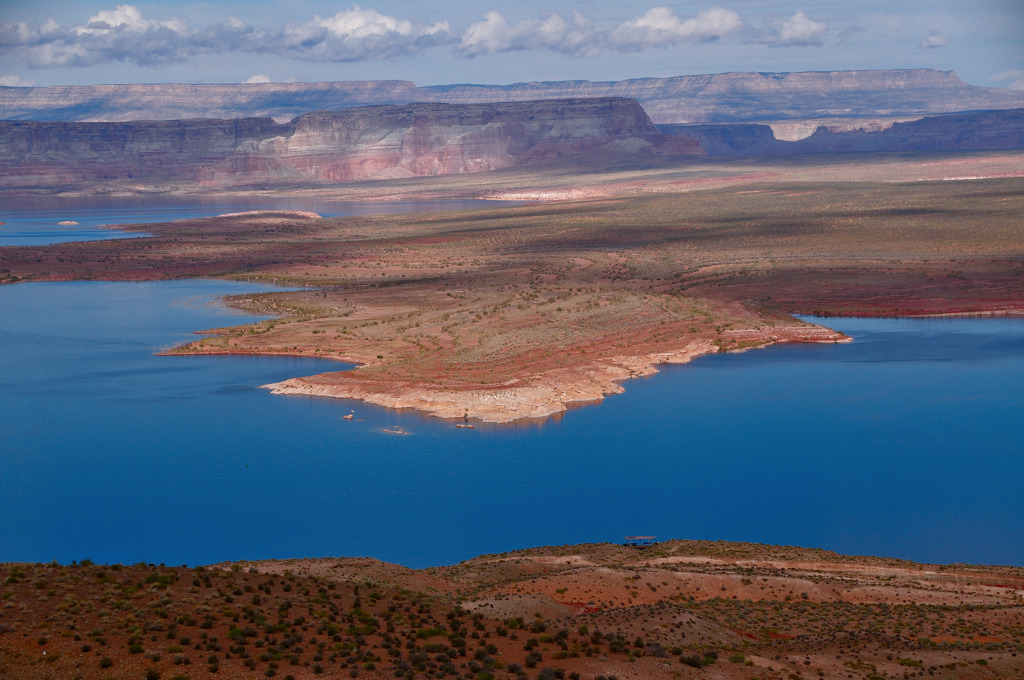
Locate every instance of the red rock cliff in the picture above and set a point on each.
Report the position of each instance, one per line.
(334, 146)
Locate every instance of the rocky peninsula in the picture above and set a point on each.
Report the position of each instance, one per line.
(505, 313)
(537, 396)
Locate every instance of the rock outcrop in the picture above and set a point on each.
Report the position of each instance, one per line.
(731, 97)
(977, 131)
(334, 146)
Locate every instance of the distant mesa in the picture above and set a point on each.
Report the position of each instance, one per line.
(381, 142)
(390, 142)
(212, 137)
(973, 131)
(724, 97)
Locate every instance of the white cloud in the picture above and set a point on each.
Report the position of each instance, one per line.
(487, 36)
(258, 78)
(363, 23)
(120, 34)
(1013, 78)
(16, 81)
(798, 30)
(127, 18)
(934, 40)
(124, 34)
(660, 26)
(354, 35)
(578, 36)
(551, 32)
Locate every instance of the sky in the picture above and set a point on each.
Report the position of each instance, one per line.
(437, 42)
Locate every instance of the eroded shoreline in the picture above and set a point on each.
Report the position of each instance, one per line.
(538, 396)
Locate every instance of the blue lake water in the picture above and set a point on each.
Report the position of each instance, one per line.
(906, 442)
(34, 221)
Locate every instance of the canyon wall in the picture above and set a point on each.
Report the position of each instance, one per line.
(722, 97)
(336, 146)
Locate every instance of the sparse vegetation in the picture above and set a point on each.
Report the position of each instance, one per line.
(496, 616)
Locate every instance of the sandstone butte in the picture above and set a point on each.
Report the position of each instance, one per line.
(329, 147)
(390, 143)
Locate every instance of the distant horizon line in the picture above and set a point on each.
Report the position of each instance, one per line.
(948, 72)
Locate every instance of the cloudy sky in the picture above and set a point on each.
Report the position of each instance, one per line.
(431, 42)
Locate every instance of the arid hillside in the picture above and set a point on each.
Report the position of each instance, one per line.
(678, 609)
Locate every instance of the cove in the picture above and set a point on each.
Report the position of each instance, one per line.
(904, 443)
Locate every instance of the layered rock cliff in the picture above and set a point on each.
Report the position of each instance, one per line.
(976, 131)
(769, 96)
(334, 146)
(682, 99)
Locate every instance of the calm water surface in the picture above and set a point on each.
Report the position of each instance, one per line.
(906, 442)
(34, 221)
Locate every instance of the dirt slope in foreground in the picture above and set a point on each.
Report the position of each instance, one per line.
(679, 609)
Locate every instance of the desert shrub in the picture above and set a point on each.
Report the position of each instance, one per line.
(551, 674)
(695, 661)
